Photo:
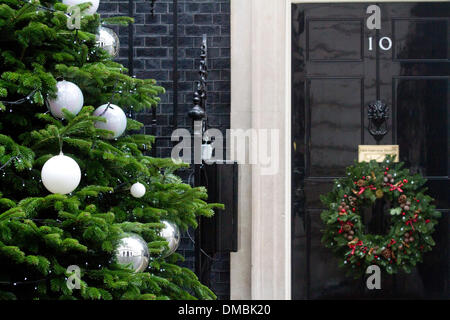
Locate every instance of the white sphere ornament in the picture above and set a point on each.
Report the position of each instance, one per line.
(116, 120)
(171, 233)
(91, 10)
(68, 96)
(133, 251)
(137, 190)
(61, 174)
(108, 40)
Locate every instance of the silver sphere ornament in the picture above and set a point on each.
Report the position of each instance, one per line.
(91, 10)
(68, 96)
(137, 190)
(108, 40)
(171, 233)
(116, 120)
(61, 174)
(133, 250)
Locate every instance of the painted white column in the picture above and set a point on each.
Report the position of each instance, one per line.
(241, 116)
(258, 101)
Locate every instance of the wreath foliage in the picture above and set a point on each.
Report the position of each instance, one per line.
(411, 214)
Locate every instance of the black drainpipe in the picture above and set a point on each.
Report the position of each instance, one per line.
(175, 64)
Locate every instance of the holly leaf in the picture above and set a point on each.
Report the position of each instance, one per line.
(429, 240)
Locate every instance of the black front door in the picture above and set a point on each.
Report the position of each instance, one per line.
(339, 66)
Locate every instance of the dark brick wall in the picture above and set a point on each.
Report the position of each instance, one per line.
(153, 58)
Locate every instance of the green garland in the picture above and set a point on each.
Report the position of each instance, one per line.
(412, 218)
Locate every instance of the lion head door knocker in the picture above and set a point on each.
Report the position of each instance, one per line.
(378, 115)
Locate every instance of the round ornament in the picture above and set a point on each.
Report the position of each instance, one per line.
(171, 233)
(91, 10)
(108, 40)
(411, 215)
(61, 174)
(133, 250)
(137, 190)
(116, 120)
(68, 96)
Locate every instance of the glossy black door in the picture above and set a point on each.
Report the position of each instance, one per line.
(335, 76)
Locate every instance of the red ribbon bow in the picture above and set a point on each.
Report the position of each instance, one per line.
(362, 189)
(354, 245)
(392, 242)
(397, 187)
(410, 221)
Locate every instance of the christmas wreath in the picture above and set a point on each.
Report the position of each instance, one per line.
(412, 218)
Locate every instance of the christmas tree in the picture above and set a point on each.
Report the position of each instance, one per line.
(75, 184)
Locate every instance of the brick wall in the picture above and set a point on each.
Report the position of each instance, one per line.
(153, 58)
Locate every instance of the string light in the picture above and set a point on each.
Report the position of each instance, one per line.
(21, 100)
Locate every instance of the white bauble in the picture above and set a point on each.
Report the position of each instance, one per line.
(61, 174)
(116, 120)
(108, 40)
(171, 233)
(91, 10)
(137, 190)
(68, 96)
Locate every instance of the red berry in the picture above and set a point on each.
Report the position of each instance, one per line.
(405, 181)
(418, 200)
(387, 169)
(403, 213)
(353, 209)
(385, 173)
(345, 196)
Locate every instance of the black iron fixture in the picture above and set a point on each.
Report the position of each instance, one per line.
(378, 115)
(198, 111)
(152, 7)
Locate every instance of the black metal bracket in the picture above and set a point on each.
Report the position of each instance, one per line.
(152, 7)
(198, 111)
(378, 115)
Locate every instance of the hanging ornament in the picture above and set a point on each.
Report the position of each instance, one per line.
(171, 233)
(91, 10)
(61, 174)
(133, 250)
(116, 120)
(137, 190)
(68, 96)
(108, 40)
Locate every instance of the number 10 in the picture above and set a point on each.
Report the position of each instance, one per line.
(381, 43)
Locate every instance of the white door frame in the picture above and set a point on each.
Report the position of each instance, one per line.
(261, 99)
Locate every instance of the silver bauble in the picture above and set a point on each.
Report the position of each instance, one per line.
(171, 233)
(133, 250)
(108, 40)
